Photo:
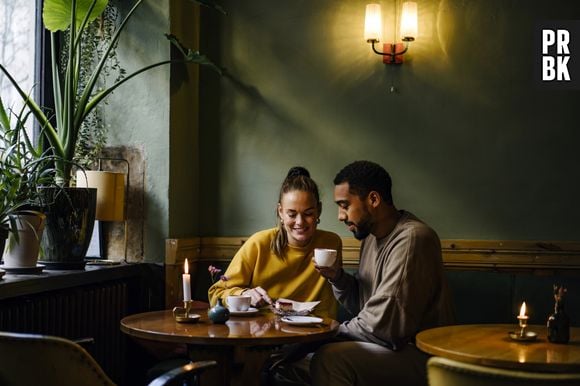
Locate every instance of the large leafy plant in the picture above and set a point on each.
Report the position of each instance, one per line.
(73, 103)
(23, 167)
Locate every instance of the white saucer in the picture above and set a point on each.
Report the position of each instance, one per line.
(250, 311)
(301, 320)
(23, 270)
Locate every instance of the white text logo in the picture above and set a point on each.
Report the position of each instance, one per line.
(555, 67)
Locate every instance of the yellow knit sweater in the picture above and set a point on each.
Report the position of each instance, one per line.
(292, 277)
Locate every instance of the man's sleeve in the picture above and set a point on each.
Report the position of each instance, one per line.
(392, 315)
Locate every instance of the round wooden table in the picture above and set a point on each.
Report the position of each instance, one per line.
(241, 346)
(490, 345)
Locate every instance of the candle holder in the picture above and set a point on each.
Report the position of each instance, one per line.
(183, 314)
(523, 335)
(523, 324)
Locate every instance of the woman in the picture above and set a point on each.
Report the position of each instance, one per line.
(276, 263)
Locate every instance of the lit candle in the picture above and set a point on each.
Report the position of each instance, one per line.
(523, 319)
(522, 315)
(186, 282)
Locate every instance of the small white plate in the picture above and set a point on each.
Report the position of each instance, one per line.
(301, 320)
(250, 311)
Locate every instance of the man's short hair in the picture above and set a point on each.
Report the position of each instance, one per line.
(364, 177)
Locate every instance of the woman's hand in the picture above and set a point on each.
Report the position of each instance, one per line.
(259, 296)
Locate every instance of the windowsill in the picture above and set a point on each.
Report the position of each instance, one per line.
(14, 285)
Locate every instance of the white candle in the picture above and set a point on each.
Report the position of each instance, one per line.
(522, 315)
(186, 282)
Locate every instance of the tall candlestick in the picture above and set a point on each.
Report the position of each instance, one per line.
(186, 282)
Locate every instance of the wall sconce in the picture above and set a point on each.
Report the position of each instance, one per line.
(393, 53)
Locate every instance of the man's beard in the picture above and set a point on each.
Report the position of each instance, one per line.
(363, 229)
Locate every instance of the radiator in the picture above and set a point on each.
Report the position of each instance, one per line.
(92, 311)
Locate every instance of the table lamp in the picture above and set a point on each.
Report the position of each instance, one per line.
(112, 188)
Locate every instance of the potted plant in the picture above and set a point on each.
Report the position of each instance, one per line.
(23, 169)
(73, 103)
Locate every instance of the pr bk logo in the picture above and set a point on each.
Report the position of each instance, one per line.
(557, 45)
(555, 67)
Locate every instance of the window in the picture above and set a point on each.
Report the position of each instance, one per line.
(18, 22)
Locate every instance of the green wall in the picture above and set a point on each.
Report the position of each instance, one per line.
(138, 115)
(473, 146)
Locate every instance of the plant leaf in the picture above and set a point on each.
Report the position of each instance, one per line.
(4, 120)
(56, 13)
(192, 56)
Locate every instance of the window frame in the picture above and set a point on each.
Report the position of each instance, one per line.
(42, 68)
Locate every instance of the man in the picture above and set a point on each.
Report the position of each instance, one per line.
(399, 289)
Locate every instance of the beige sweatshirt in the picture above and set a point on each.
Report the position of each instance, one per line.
(399, 289)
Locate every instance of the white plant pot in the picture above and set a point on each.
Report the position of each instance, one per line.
(24, 252)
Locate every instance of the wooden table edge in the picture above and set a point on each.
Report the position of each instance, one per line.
(497, 363)
(332, 324)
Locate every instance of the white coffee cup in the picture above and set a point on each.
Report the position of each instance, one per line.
(324, 257)
(239, 302)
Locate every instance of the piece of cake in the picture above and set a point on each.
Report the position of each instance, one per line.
(284, 306)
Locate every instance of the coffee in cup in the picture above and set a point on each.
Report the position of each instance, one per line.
(238, 302)
(324, 257)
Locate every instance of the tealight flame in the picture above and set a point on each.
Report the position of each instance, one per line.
(186, 266)
(523, 310)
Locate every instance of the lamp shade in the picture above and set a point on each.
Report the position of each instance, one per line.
(409, 21)
(110, 193)
(373, 24)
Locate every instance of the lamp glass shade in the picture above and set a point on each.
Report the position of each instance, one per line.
(409, 20)
(110, 193)
(373, 24)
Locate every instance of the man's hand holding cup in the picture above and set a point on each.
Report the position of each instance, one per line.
(327, 264)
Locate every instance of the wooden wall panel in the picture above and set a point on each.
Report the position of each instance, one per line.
(538, 257)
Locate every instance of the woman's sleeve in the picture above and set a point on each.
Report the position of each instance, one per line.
(238, 274)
